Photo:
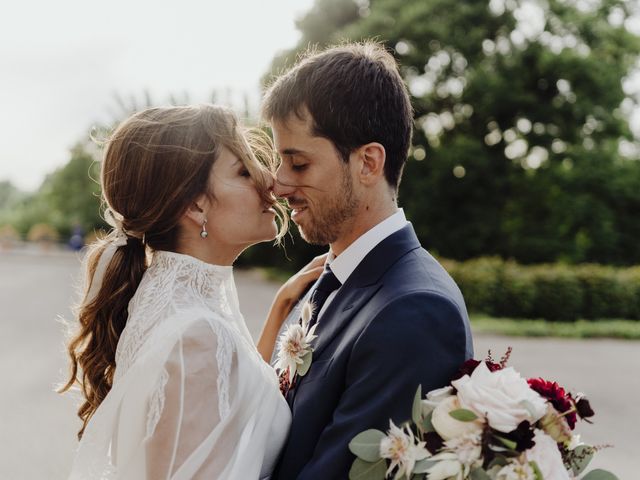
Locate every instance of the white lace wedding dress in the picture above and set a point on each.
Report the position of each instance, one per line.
(192, 398)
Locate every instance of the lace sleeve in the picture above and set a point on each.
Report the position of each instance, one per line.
(189, 406)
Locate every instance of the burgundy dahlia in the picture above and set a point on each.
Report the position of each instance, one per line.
(561, 400)
(285, 385)
(470, 365)
(523, 436)
(434, 442)
(584, 409)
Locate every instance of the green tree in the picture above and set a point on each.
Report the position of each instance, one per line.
(520, 118)
(9, 195)
(73, 193)
(68, 197)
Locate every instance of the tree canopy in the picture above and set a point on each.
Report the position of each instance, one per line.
(522, 146)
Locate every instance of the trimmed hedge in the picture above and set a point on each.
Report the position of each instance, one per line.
(550, 291)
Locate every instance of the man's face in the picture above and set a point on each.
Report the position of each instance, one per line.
(314, 180)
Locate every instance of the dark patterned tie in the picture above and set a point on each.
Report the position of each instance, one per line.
(326, 284)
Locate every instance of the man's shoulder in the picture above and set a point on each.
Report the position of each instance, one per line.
(418, 278)
(419, 270)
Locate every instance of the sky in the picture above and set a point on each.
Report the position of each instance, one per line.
(62, 64)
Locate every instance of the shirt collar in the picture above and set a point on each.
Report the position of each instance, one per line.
(343, 265)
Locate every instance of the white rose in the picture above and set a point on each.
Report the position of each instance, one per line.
(503, 397)
(516, 471)
(446, 467)
(547, 456)
(447, 426)
(439, 394)
(434, 397)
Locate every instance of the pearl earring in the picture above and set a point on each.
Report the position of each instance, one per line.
(204, 233)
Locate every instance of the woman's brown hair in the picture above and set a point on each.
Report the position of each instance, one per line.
(156, 164)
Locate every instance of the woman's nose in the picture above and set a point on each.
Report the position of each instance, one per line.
(280, 187)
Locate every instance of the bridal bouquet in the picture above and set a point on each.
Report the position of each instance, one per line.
(488, 424)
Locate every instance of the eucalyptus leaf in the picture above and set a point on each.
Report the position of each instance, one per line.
(423, 465)
(493, 471)
(463, 415)
(306, 363)
(416, 414)
(599, 474)
(499, 461)
(361, 470)
(536, 470)
(366, 445)
(427, 425)
(581, 456)
(510, 444)
(479, 474)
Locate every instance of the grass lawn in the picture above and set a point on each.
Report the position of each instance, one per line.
(624, 329)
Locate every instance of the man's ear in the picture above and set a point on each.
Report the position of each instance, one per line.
(372, 157)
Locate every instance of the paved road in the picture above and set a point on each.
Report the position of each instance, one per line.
(37, 426)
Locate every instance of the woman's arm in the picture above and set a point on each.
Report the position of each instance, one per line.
(284, 301)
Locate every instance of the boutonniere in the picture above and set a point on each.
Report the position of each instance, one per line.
(295, 351)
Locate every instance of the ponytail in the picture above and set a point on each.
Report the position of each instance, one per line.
(102, 315)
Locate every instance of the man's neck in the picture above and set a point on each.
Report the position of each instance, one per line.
(361, 224)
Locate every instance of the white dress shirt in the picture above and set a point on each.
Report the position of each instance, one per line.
(344, 264)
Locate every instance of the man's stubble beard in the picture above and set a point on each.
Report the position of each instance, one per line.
(326, 226)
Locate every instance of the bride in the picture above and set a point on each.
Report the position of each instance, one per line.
(173, 385)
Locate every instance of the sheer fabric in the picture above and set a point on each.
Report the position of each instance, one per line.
(192, 398)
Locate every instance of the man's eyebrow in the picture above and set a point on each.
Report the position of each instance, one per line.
(291, 151)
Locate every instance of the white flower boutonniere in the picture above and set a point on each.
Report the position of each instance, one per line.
(295, 352)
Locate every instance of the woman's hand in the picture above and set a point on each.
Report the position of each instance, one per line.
(295, 287)
(285, 299)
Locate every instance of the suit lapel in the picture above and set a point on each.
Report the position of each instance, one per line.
(339, 313)
(361, 285)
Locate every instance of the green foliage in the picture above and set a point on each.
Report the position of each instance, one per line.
(599, 474)
(518, 327)
(366, 445)
(480, 280)
(516, 145)
(559, 295)
(549, 291)
(463, 415)
(361, 470)
(68, 198)
(9, 195)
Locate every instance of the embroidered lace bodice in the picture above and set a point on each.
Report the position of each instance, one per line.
(191, 398)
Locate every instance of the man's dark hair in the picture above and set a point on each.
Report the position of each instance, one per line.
(355, 95)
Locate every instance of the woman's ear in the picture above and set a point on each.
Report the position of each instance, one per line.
(373, 157)
(196, 213)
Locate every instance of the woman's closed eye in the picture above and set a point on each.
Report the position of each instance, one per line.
(299, 167)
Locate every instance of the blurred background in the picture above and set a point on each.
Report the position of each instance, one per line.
(523, 177)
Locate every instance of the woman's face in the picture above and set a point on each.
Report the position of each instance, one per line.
(237, 215)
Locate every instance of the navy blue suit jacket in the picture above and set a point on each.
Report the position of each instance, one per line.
(399, 321)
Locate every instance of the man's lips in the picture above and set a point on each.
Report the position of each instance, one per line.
(297, 210)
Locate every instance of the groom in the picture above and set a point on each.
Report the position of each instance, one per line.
(390, 318)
